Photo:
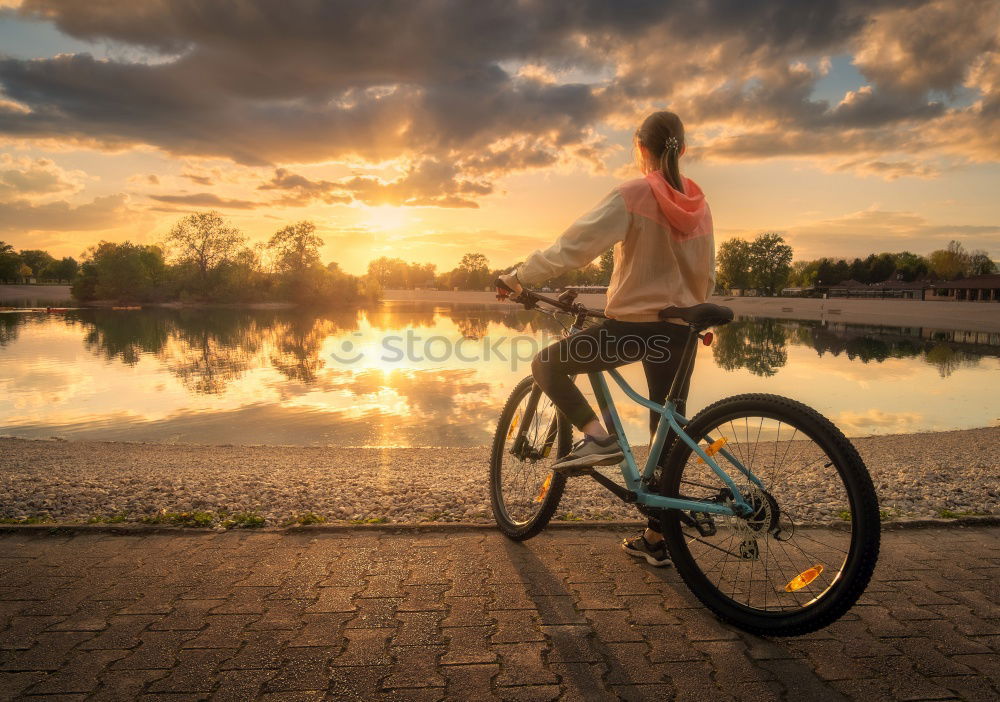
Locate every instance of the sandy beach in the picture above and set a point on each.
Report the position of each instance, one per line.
(916, 475)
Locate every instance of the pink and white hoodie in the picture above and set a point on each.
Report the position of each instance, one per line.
(664, 248)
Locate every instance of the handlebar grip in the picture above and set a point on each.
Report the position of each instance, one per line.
(503, 290)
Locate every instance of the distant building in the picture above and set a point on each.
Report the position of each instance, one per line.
(980, 288)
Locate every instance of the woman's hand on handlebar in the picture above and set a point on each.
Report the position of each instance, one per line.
(511, 281)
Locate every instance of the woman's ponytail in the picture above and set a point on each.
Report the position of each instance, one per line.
(662, 135)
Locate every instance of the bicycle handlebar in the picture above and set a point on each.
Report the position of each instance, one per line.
(530, 300)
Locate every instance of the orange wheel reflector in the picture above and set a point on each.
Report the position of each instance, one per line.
(513, 424)
(713, 448)
(545, 489)
(804, 578)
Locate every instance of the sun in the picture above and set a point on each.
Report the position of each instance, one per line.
(384, 217)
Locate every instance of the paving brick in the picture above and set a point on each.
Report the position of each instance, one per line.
(78, 675)
(334, 599)
(415, 666)
(195, 671)
(365, 647)
(613, 626)
(378, 616)
(422, 598)
(375, 613)
(49, 652)
(516, 626)
(117, 685)
(122, 632)
(466, 611)
(303, 669)
(469, 644)
(263, 650)
(571, 644)
(357, 683)
(157, 649)
(187, 615)
(321, 630)
(418, 628)
(22, 632)
(221, 631)
(521, 664)
(469, 682)
(800, 681)
(238, 686)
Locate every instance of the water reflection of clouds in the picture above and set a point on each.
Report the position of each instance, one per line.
(210, 376)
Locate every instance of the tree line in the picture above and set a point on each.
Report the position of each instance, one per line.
(765, 264)
(21, 266)
(206, 259)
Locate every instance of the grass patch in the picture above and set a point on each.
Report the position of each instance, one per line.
(569, 517)
(108, 519)
(305, 519)
(886, 515)
(181, 519)
(26, 520)
(957, 514)
(242, 520)
(844, 515)
(435, 516)
(370, 520)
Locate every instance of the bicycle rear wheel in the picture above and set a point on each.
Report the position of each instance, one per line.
(531, 434)
(806, 554)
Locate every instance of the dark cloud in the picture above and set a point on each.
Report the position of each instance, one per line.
(427, 183)
(197, 178)
(207, 200)
(306, 81)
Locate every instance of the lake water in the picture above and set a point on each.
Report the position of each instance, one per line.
(427, 374)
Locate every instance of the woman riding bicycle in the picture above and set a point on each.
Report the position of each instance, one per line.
(664, 254)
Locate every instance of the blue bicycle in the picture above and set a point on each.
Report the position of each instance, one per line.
(768, 511)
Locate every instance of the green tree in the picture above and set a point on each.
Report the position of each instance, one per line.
(770, 263)
(122, 272)
(606, 266)
(64, 269)
(949, 263)
(733, 265)
(37, 261)
(203, 241)
(10, 262)
(910, 266)
(296, 247)
(474, 271)
(980, 263)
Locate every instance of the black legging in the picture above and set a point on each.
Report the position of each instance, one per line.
(659, 345)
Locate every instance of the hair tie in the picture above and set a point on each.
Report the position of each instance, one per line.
(671, 143)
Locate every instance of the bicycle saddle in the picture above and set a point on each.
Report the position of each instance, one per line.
(700, 316)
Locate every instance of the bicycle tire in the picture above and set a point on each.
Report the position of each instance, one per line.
(862, 555)
(520, 531)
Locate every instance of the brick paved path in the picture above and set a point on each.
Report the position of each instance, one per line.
(465, 615)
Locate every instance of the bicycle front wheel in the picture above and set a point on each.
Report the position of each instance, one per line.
(806, 553)
(530, 436)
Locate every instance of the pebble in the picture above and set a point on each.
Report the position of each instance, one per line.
(916, 475)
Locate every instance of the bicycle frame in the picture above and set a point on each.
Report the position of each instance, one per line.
(670, 419)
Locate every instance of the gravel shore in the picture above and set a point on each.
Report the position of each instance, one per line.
(916, 475)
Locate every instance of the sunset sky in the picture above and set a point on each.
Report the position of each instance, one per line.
(424, 130)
